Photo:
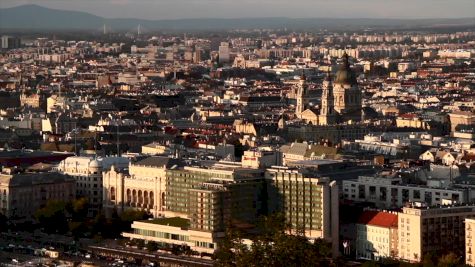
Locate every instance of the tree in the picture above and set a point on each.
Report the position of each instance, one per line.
(449, 260)
(52, 217)
(272, 247)
(152, 246)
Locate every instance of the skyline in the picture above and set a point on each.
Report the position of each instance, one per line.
(167, 9)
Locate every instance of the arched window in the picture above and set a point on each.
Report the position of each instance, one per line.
(140, 202)
(134, 197)
(151, 200)
(145, 198)
(112, 194)
(129, 197)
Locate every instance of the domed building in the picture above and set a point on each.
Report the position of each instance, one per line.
(340, 102)
(346, 93)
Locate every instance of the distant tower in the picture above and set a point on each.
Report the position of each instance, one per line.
(138, 30)
(327, 110)
(104, 29)
(301, 96)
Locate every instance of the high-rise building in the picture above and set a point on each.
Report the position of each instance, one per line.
(9, 42)
(224, 53)
(309, 204)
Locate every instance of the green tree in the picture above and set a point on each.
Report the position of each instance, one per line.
(53, 217)
(272, 247)
(449, 260)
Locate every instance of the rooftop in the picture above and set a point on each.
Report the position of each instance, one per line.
(173, 221)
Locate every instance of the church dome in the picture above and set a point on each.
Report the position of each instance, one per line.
(345, 75)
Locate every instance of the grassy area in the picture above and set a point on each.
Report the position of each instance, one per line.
(174, 221)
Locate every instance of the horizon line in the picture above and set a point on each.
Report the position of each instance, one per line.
(231, 18)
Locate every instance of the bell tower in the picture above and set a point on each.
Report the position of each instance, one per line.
(301, 96)
(327, 110)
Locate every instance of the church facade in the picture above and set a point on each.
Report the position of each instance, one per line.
(340, 102)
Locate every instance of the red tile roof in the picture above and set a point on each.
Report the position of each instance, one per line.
(378, 218)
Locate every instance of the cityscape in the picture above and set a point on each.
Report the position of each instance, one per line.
(218, 137)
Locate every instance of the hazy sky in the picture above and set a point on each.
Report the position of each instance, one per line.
(170, 9)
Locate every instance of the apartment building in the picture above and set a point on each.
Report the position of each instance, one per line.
(437, 229)
(390, 192)
(376, 236)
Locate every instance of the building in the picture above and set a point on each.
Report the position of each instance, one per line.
(142, 185)
(470, 242)
(438, 230)
(376, 236)
(9, 42)
(346, 93)
(305, 151)
(175, 231)
(245, 185)
(310, 204)
(21, 194)
(391, 192)
(88, 174)
(224, 53)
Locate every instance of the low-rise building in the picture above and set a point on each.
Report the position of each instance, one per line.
(21, 194)
(376, 236)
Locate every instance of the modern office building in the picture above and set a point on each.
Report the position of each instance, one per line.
(438, 230)
(310, 204)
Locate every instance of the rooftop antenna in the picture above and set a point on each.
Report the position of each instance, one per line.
(118, 144)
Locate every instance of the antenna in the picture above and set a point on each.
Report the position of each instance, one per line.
(118, 144)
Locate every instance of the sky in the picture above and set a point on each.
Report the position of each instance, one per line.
(176, 9)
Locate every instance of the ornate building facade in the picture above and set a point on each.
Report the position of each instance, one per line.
(340, 102)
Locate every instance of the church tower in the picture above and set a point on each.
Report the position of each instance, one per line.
(347, 95)
(327, 110)
(301, 96)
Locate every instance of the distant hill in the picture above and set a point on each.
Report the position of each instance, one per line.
(37, 17)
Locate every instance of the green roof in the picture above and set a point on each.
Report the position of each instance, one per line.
(174, 221)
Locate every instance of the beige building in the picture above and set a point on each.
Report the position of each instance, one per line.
(439, 230)
(376, 236)
(142, 187)
(461, 117)
(470, 242)
(21, 194)
(88, 174)
(175, 231)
